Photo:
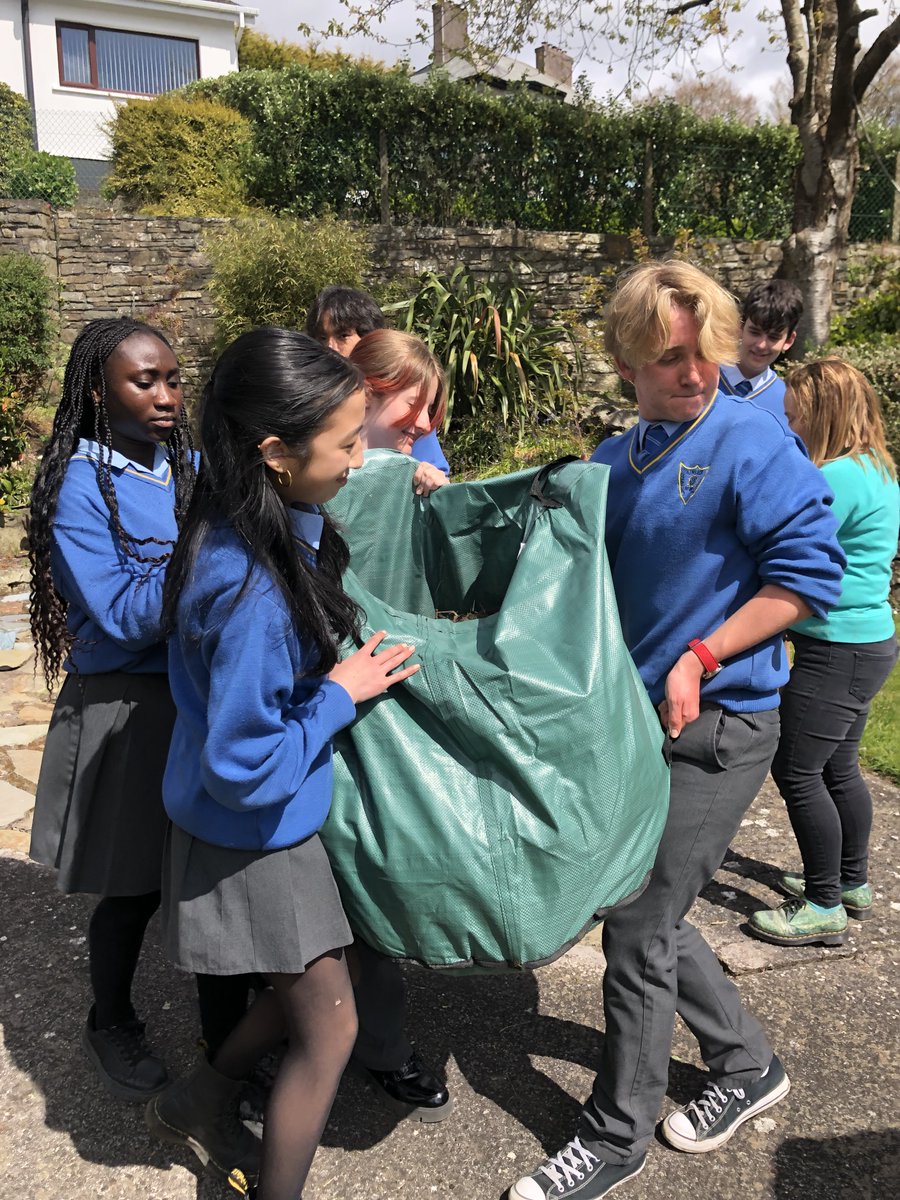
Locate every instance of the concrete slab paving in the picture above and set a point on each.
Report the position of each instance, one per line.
(25, 763)
(22, 735)
(14, 803)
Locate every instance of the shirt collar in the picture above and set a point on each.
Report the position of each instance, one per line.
(734, 374)
(307, 525)
(91, 449)
(644, 425)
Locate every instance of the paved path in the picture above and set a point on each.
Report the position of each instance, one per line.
(520, 1049)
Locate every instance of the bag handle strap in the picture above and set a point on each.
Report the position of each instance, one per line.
(540, 481)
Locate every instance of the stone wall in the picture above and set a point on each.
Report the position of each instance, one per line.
(154, 268)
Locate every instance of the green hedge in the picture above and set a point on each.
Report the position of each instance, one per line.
(461, 154)
(27, 332)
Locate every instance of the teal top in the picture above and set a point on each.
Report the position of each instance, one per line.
(867, 506)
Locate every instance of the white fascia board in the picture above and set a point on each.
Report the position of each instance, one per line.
(199, 8)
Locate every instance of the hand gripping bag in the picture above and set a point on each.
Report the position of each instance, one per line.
(491, 808)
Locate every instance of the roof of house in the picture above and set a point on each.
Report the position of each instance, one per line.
(501, 69)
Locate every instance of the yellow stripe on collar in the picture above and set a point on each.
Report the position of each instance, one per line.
(670, 445)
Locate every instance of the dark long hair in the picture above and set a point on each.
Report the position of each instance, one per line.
(81, 415)
(270, 382)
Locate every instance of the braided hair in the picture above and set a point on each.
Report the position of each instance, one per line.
(82, 415)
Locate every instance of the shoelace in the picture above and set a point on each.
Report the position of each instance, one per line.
(565, 1168)
(128, 1038)
(713, 1102)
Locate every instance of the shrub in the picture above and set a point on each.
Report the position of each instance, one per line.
(498, 359)
(26, 341)
(177, 157)
(15, 128)
(267, 270)
(257, 52)
(36, 175)
(873, 315)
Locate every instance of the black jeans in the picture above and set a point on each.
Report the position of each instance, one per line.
(824, 710)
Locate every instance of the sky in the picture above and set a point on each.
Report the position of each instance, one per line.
(760, 66)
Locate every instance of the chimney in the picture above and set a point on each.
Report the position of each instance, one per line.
(450, 32)
(552, 61)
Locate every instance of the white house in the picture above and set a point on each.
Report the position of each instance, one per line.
(76, 59)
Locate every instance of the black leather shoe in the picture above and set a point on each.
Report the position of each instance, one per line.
(413, 1089)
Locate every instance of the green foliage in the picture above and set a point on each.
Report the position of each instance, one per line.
(178, 157)
(873, 315)
(482, 449)
(15, 129)
(499, 360)
(460, 154)
(35, 175)
(879, 361)
(268, 270)
(257, 52)
(26, 341)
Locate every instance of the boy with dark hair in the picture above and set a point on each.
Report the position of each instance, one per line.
(338, 317)
(769, 317)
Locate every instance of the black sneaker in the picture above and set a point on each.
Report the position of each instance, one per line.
(575, 1171)
(125, 1063)
(710, 1121)
(413, 1089)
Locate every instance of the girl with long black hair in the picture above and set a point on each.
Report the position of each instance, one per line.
(259, 614)
(113, 484)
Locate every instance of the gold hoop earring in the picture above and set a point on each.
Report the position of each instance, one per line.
(285, 478)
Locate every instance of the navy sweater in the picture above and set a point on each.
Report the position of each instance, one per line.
(250, 760)
(732, 503)
(115, 602)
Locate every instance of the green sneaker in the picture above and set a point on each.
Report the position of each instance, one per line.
(857, 900)
(796, 923)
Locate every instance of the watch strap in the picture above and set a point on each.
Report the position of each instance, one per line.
(711, 666)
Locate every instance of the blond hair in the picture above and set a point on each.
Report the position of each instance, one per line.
(839, 413)
(393, 361)
(637, 326)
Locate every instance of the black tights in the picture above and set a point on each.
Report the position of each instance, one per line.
(223, 1001)
(115, 936)
(316, 1012)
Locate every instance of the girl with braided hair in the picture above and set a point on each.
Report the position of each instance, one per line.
(114, 482)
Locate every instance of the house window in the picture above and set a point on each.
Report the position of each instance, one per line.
(116, 61)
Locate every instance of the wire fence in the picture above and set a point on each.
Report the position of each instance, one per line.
(657, 189)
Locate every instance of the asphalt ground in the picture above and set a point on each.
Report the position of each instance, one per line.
(520, 1049)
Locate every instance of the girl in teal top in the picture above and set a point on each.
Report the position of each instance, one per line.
(840, 662)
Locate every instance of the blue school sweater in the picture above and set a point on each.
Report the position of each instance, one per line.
(730, 504)
(767, 391)
(428, 449)
(250, 760)
(114, 601)
(867, 506)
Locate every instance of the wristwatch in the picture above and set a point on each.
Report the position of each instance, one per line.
(710, 666)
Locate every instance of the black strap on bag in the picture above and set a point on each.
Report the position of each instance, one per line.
(540, 480)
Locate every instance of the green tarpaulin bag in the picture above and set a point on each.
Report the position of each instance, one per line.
(488, 810)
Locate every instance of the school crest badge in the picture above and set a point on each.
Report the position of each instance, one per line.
(689, 480)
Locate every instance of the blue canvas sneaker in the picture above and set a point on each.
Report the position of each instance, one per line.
(716, 1115)
(576, 1171)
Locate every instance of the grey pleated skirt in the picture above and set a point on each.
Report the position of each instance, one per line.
(227, 912)
(99, 816)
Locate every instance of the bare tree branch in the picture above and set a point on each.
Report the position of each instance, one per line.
(875, 57)
(686, 7)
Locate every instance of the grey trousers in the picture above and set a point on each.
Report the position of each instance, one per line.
(657, 964)
(380, 995)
